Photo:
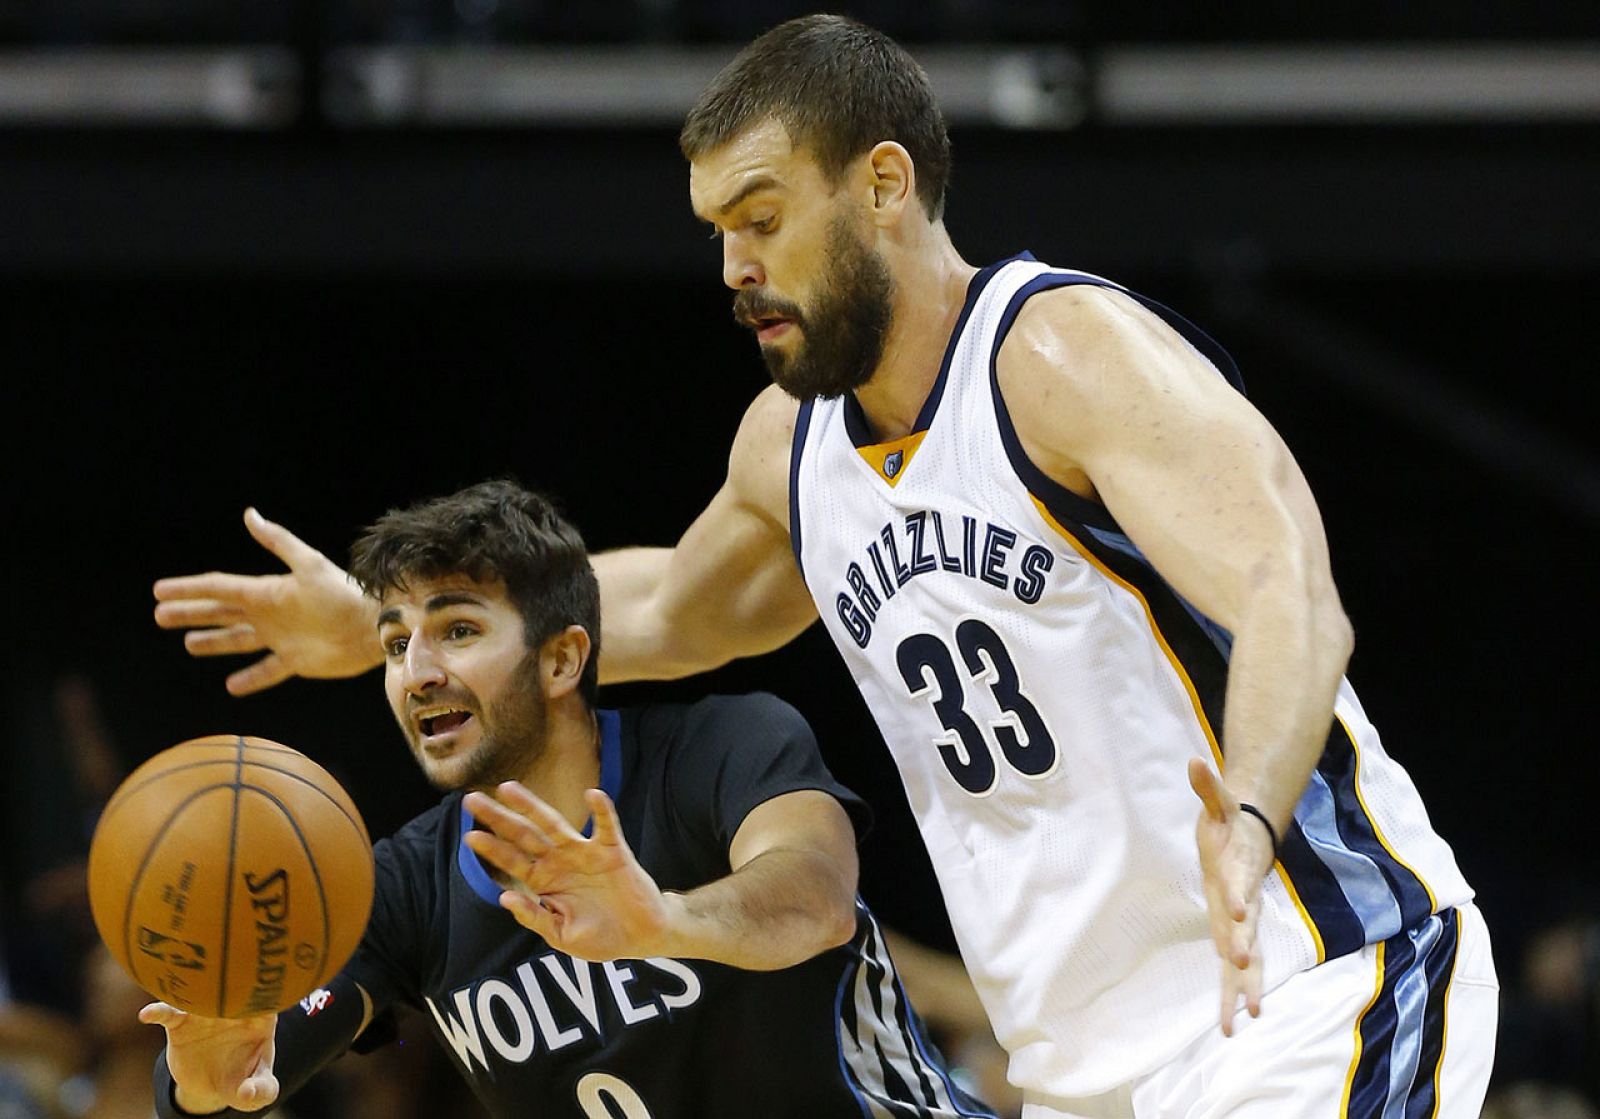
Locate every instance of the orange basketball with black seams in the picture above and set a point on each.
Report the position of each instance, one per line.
(231, 876)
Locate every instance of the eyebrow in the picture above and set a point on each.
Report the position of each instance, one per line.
(760, 183)
(434, 605)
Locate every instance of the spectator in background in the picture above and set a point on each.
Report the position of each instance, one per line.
(70, 1041)
(1550, 1039)
(62, 766)
(1537, 1101)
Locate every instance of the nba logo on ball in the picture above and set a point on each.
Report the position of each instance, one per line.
(892, 464)
(231, 876)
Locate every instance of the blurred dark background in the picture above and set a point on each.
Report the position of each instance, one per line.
(329, 257)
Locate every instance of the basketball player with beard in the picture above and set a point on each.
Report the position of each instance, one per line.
(656, 914)
(1084, 589)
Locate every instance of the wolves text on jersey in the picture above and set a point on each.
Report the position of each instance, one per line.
(923, 543)
(554, 1001)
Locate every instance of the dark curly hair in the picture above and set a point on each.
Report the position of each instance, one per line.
(493, 530)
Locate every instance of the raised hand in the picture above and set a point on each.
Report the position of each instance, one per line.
(313, 621)
(218, 1062)
(1235, 855)
(589, 898)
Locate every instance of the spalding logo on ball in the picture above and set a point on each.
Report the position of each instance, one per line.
(231, 876)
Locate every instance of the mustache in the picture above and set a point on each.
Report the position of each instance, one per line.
(751, 305)
(463, 700)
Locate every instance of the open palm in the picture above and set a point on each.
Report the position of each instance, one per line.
(589, 898)
(218, 1062)
(312, 621)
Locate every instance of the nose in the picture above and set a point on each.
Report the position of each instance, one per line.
(421, 669)
(740, 267)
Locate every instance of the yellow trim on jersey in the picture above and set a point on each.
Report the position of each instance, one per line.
(1194, 699)
(1305, 914)
(1355, 782)
(878, 456)
(1177, 665)
(1355, 1059)
(1444, 1008)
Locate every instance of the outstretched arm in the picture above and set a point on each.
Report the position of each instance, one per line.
(789, 896)
(730, 588)
(1111, 402)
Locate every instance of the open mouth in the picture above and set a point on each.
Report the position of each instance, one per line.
(442, 721)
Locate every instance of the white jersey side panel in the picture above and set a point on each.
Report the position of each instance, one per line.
(1041, 691)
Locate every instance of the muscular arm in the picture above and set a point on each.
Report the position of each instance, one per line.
(1108, 399)
(1110, 402)
(730, 588)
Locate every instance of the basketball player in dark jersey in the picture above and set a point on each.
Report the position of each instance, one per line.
(643, 913)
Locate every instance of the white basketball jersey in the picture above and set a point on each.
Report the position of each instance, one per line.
(1042, 691)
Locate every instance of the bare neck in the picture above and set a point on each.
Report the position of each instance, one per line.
(931, 283)
(569, 764)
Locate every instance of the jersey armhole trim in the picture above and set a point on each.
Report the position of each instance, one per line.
(1063, 504)
(797, 446)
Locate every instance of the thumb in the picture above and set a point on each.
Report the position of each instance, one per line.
(532, 912)
(278, 540)
(1208, 787)
(161, 1014)
(265, 673)
(607, 828)
(257, 1091)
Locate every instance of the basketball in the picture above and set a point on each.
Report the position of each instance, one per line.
(230, 876)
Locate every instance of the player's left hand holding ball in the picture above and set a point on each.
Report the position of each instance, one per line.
(218, 1063)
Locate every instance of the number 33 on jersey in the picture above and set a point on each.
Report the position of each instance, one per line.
(1042, 689)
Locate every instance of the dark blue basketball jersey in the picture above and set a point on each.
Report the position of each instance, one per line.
(537, 1032)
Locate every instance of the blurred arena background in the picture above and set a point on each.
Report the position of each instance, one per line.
(328, 256)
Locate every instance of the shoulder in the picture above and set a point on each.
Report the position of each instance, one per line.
(758, 465)
(408, 886)
(769, 419)
(746, 715)
(1086, 365)
(1069, 338)
(414, 847)
(721, 716)
(722, 726)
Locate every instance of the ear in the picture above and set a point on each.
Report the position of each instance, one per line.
(894, 182)
(562, 660)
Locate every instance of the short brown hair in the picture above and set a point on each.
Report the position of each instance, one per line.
(838, 87)
(493, 530)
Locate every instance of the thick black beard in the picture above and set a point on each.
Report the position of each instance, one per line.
(515, 730)
(844, 330)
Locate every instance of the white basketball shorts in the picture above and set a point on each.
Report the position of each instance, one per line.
(1404, 1029)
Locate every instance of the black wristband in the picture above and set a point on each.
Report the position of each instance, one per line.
(1262, 816)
